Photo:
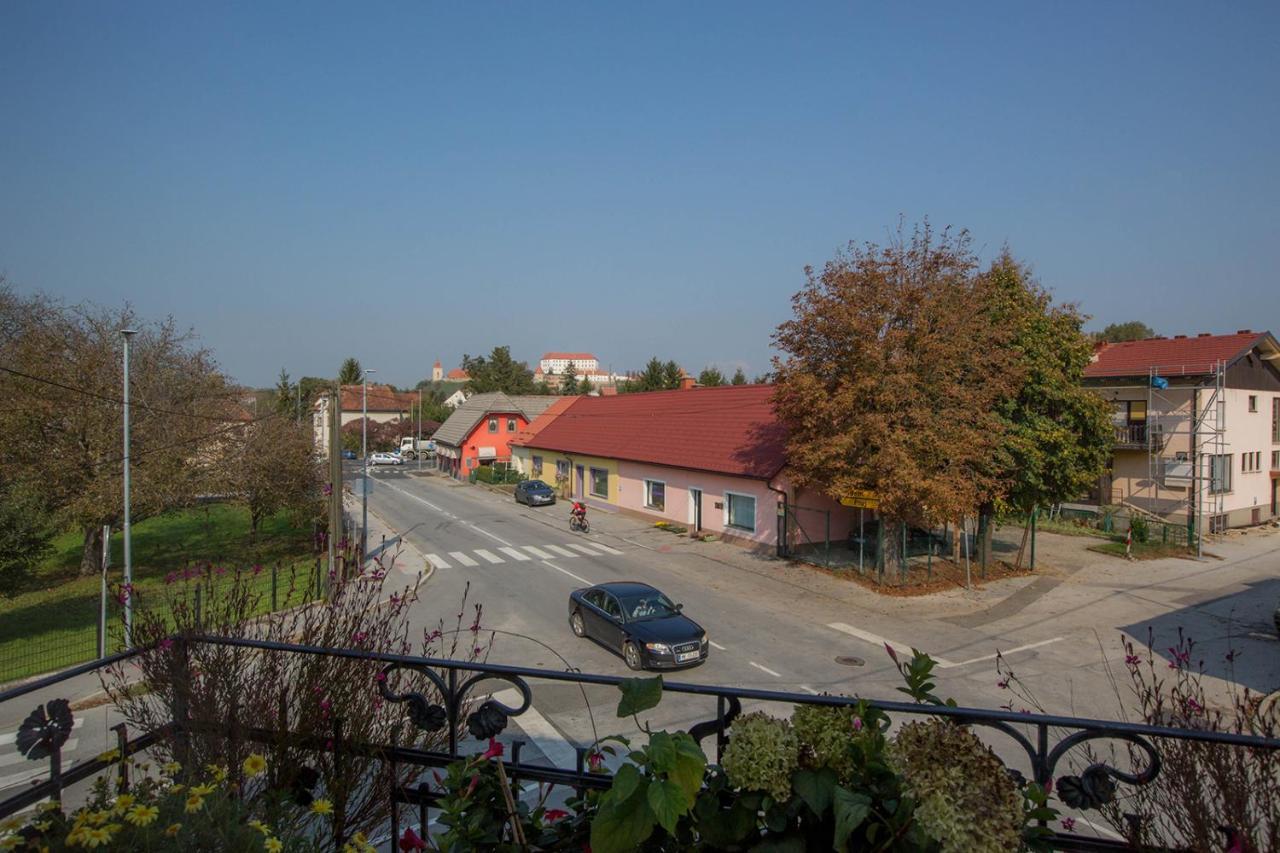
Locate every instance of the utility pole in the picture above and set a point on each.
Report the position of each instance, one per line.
(128, 535)
(335, 479)
(364, 451)
(418, 447)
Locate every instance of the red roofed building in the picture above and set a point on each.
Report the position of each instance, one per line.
(457, 374)
(1197, 427)
(711, 459)
(384, 404)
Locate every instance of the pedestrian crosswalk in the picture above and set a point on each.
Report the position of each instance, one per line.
(522, 554)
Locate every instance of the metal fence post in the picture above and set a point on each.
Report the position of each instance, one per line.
(275, 573)
(199, 615)
(102, 595)
(1034, 512)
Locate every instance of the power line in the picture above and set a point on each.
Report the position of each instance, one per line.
(116, 400)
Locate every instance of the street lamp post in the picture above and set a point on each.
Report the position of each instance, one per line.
(364, 480)
(418, 447)
(128, 534)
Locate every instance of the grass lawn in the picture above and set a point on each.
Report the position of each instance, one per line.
(52, 622)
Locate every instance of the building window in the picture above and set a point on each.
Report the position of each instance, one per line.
(1251, 462)
(1219, 473)
(1275, 460)
(493, 424)
(562, 470)
(655, 495)
(537, 466)
(1253, 402)
(740, 511)
(1275, 420)
(511, 424)
(600, 483)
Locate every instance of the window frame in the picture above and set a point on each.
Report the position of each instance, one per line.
(1253, 403)
(535, 465)
(1221, 477)
(493, 425)
(728, 511)
(648, 495)
(591, 482)
(511, 425)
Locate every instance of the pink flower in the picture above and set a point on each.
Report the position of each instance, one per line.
(359, 637)
(410, 841)
(394, 601)
(1003, 684)
(479, 650)
(165, 644)
(1194, 707)
(494, 750)
(554, 815)
(1068, 823)
(381, 678)
(595, 759)
(1131, 660)
(857, 724)
(471, 789)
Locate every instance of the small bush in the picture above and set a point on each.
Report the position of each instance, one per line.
(1140, 529)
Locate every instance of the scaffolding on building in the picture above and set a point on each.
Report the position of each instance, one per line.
(1200, 468)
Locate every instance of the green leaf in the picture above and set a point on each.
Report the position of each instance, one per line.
(639, 694)
(662, 752)
(815, 787)
(625, 781)
(851, 810)
(622, 824)
(690, 765)
(668, 803)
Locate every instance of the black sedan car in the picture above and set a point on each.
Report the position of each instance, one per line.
(534, 493)
(638, 622)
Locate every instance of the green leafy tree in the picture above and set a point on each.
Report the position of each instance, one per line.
(652, 378)
(350, 372)
(739, 378)
(63, 415)
(274, 468)
(671, 375)
(569, 380)
(498, 372)
(286, 396)
(25, 533)
(762, 379)
(1133, 330)
(711, 377)
(1058, 434)
(542, 389)
(585, 387)
(890, 379)
(312, 387)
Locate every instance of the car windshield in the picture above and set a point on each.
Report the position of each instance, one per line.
(535, 484)
(648, 605)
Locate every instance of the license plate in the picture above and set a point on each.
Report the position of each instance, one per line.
(686, 656)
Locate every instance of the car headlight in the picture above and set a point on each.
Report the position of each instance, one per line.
(706, 638)
(660, 648)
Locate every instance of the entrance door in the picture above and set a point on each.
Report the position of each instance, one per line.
(695, 506)
(581, 479)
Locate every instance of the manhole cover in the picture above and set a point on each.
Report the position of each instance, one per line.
(850, 660)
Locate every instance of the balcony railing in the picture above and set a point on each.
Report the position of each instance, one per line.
(1044, 740)
(1130, 436)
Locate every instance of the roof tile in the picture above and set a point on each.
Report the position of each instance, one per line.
(1178, 356)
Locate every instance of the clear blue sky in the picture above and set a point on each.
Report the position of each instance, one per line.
(402, 182)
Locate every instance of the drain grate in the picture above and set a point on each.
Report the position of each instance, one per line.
(850, 660)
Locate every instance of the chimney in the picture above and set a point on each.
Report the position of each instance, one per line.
(1244, 331)
(1205, 335)
(688, 383)
(1178, 337)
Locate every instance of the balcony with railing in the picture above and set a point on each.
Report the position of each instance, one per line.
(1131, 436)
(418, 770)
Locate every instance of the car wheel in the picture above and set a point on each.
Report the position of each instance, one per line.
(631, 655)
(576, 623)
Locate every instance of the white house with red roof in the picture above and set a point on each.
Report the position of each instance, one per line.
(558, 362)
(383, 404)
(1197, 426)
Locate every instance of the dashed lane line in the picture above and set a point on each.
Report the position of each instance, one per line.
(578, 578)
(877, 640)
(489, 556)
(462, 558)
(765, 669)
(518, 556)
(993, 655)
(716, 645)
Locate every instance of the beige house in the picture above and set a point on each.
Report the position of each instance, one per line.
(384, 404)
(1197, 426)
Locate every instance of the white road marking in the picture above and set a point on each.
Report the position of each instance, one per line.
(461, 557)
(437, 561)
(12, 737)
(578, 578)
(717, 645)
(605, 548)
(537, 552)
(584, 549)
(764, 669)
(19, 758)
(515, 555)
(876, 639)
(489, 555)
(553, 745)
(41, 772)
(484, 532)
(807, 689)
(993, 655)
(563, 552)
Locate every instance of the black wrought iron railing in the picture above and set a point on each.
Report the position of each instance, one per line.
(1044, 740)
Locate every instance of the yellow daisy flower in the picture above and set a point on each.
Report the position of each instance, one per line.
(96, 837)
(177, 788)
(260, 826)
(9, 824)
(141, 815)
(218, 773)
(254, 765)
(123, 802)
(171, 768)
(194, 803)
(321, 806)
(10, 842)
(202, 790)
(173, 829)
(272, 845)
